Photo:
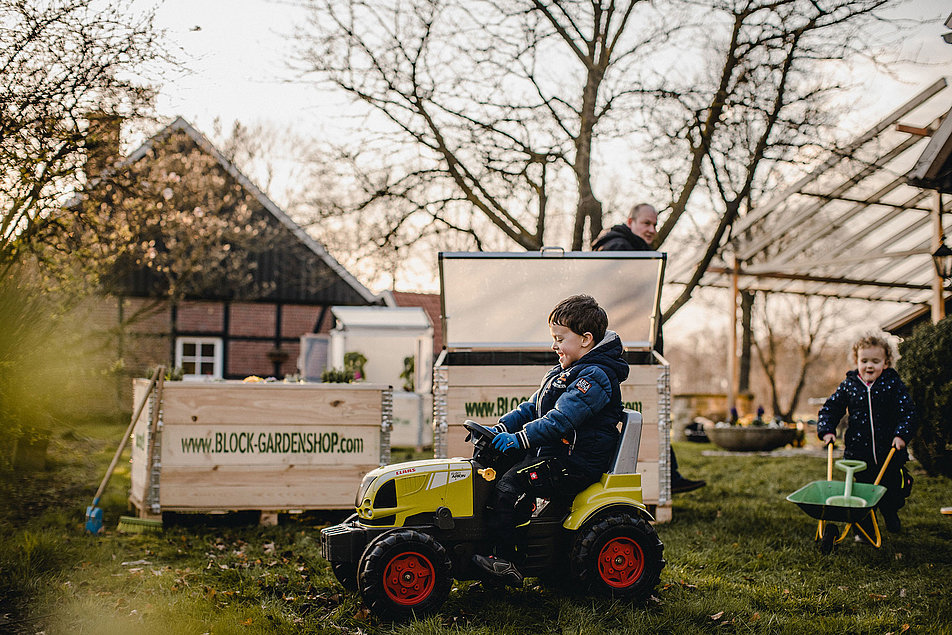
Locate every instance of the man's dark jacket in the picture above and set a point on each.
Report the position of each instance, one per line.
(619, 238)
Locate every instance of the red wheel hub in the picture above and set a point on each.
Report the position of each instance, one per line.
(621, 562)
(409, 578)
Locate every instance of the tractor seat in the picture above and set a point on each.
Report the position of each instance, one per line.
(626, 454)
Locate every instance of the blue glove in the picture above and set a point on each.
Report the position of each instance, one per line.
(505, 441)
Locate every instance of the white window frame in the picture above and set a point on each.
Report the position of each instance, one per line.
(198, 359)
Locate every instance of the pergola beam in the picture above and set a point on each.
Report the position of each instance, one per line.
(780, 275)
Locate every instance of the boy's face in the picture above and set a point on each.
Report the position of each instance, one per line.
(568, 344)
(870, 363)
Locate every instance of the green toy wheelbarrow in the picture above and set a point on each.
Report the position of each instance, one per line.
(843, 501)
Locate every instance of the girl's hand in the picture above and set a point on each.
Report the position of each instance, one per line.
(830, 438)
(898, 443)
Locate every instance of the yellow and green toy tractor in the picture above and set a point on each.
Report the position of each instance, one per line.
(418, 525)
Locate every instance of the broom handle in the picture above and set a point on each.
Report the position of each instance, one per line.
(125, 438)
(882, 470)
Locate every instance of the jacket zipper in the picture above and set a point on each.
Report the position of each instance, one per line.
(872, 429)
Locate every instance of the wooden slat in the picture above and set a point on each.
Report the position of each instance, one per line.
(530, 375)
(212, 446)
(457, 411)
(266, 489)
(251, 404)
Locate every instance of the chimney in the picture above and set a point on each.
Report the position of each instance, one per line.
(102, 143)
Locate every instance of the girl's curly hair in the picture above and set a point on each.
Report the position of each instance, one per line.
(873, 340)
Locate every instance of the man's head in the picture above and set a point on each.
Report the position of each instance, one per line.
(643, 222)
(577, 325)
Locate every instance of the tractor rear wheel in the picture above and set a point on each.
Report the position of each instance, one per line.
(404, 573)
(619, 555)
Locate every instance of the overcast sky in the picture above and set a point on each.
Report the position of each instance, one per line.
(237, 52)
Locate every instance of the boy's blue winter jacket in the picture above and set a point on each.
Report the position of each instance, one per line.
(887, 401)
(576, 410)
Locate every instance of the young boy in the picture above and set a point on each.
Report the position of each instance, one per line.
(564, 437)
(881, 415)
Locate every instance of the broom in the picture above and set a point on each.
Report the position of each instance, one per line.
(93, 512)
(133, 525)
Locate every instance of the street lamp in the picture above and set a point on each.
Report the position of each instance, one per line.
(942, 259)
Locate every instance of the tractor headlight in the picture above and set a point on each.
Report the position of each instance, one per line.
(365, 484)
(365, 509)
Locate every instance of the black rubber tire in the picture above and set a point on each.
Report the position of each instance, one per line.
(828, 540)
(404, 573)
(635, 569)
(346, 574)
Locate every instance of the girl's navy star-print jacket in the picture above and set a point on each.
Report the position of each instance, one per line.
(877, 414)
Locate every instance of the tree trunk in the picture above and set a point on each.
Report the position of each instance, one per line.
(746, 342)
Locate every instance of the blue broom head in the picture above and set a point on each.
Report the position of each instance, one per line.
(93, 520)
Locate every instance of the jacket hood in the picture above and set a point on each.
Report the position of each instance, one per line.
(617, 233)
(608, 354)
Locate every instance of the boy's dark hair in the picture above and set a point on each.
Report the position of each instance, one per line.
(582, 314)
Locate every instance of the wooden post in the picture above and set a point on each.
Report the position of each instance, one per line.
(732, 339)
(938, 294)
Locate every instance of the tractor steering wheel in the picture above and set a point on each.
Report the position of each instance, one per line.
(478, 433)
(482, 437)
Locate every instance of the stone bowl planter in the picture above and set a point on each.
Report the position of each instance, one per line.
(750, 438)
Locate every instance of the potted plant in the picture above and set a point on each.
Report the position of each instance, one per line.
(750, 433)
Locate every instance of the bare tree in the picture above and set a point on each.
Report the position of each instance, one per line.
(496, 106)
(762, 106)
(491, 111)
(60, 60)
(171, 224)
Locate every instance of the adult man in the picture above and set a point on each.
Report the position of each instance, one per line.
(636, 234)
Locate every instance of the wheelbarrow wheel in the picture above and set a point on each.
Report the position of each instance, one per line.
(830, 534)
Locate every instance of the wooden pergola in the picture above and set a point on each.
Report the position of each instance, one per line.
(862, 223)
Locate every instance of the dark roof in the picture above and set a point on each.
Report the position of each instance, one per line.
(292, 267)
(905, 323)
(933, 170)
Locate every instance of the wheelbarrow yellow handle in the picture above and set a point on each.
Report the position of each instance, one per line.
(882, 470)
(829, 461)
(829, 477)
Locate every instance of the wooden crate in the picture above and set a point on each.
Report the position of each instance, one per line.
(484, 393)
(236, 446)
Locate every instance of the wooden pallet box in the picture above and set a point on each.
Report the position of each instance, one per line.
(495, 309)
(227, 446)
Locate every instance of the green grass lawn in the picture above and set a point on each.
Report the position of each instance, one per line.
(740, 559)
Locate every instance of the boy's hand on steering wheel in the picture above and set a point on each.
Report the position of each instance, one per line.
(505, 441)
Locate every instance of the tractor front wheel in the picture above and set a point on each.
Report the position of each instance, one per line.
(405, 573)
(620, 556)
(346, 574)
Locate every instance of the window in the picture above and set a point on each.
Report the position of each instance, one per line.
(199, 357)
